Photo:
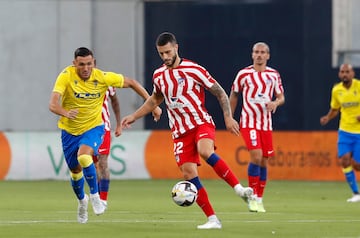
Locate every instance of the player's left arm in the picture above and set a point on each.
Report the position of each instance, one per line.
(230, 123)
(279, 100)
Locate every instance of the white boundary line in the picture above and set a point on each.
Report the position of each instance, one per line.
(15, 222)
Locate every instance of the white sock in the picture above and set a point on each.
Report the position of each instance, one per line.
(213, 218)
(238, 188)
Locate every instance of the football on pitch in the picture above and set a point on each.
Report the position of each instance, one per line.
(184, 193)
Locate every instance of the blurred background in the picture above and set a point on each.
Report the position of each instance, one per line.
(308, 40)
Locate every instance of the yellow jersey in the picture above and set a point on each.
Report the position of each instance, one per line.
(348, 101)
(85, 95)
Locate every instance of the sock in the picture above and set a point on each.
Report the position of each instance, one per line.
(104, 188)
(222, 169)
(213, 218)
(262, 181)
(202, 199)
(90, 176)
(351, 179)
(254, 177)
(78, 187)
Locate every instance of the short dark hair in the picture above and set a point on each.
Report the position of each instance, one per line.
(82, 52)
(165, 38)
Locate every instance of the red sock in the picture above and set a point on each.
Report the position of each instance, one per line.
(261, 188)
(103, 195)
(224, 172)
(204, 203)
(254, 182)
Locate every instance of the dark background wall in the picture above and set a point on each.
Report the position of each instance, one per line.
(219, 35)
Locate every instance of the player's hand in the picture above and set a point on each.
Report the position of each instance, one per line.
(127, 121)
(157, 113)
(118, 131)
(232, 125)
(324, 120)
(72, 113)
(271, 106)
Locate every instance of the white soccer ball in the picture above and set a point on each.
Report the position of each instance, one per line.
(184, 193)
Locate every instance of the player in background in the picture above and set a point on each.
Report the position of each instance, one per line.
(181, 83)
(101, 160)
(345, 99)
(262, 92)
(77, 97)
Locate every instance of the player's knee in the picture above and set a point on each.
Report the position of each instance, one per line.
(76, 176)
(85, 160)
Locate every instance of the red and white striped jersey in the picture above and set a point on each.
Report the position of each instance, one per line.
(183, 89)
(257, 90)
(105, 113)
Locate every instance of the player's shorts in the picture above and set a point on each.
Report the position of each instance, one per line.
(258, 139)
(71, 143)
(185, 146)
(349, 142)
(104, 148)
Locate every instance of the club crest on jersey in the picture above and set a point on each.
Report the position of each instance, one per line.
(181, 80)
(96, 82)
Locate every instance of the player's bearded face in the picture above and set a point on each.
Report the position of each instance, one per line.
(168, 53)
(170, 61)
(84, 66)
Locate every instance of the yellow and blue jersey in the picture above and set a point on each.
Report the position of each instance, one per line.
(85, 95)
(348, 101)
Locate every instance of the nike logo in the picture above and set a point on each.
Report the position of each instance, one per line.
(225, 174)
(270, 152)
(101, 150)
(203, 134)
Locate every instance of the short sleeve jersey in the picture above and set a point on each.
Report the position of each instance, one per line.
(86, 96)
(348, 101)
(183, 89)
(257, 90)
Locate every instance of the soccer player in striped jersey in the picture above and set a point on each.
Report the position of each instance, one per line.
(181, 83)
(345, 99)
(101, 160)
(77, 97)
(262, 92)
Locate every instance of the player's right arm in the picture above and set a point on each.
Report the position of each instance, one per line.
(233, 99)
(149, 105)
(140, 90)
(55, 107)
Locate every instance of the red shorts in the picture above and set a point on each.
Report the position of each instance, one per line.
(257, 139)
(185, 146)
(104, 148)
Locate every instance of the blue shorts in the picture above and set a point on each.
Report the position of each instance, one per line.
(349, 142)
(71, 144)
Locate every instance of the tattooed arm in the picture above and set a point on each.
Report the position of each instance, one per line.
(219, 93)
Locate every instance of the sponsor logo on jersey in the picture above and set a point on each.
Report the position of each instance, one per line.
(87, 95)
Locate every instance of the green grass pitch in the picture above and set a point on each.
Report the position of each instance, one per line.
(144, 209)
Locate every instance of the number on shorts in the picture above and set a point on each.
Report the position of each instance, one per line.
(252, 134)
(178, 147)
